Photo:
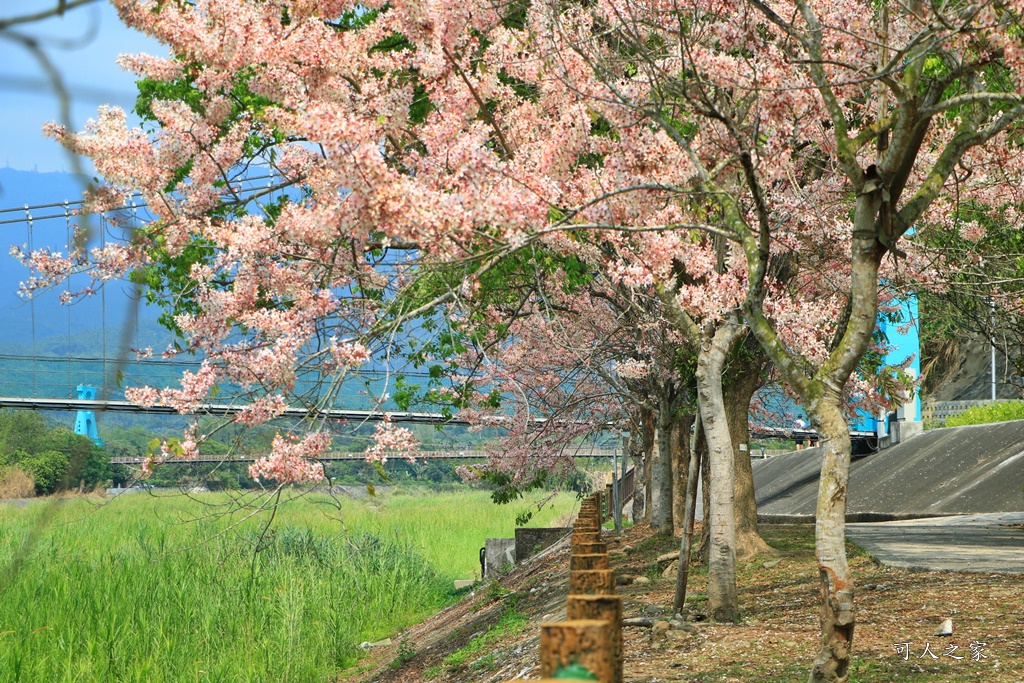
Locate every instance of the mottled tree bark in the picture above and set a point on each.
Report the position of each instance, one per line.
(821, 395)
(695, 447)
(680, 445)
(661, 468)
(743, 379)
(647, 426)
(639, 465)
(723, 601)
(705, 502)
(837, 618)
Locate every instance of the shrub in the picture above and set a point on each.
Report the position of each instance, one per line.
(16, 483)
(46, 467)
(1003, 411)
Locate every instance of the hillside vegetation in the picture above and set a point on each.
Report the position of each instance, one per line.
(996, 412)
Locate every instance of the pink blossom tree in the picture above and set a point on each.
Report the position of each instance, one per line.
(707, 150)
(554, 352)
(893, 104)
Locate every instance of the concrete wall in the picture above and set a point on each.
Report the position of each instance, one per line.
(529, 542)
(972, 469)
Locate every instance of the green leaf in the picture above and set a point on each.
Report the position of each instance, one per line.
(381, 472)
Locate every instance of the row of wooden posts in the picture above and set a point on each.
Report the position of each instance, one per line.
(588, 645)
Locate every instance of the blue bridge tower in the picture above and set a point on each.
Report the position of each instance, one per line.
(85, 422)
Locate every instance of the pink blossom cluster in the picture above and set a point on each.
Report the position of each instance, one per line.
(389, 440)
(195, 388)
(632, 369)
(349, 354)
(293, 460)
(262, 409)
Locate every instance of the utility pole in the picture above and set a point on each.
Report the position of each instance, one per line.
(616, 485)
(992, 343)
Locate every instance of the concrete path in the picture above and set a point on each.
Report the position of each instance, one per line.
(981, 543)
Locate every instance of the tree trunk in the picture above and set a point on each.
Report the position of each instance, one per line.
(693, 457)
(705, 501)
(821, 396)
(636, 453)
(723, 603)
(648, 439)
(744, 378)
(661, 469)
(680, 445)
(837, 621)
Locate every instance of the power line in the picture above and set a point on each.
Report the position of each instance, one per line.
(65, 205)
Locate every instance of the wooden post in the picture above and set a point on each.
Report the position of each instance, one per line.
(587, 562)
(592, 582)
(588, 548)
(588, 643)
(591, 640)
(579, 537)
(602, 608)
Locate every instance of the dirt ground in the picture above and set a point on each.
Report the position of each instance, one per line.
(492, 634)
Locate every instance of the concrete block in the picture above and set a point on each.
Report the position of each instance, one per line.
(588, 562)
(592, 582)
(498, 553)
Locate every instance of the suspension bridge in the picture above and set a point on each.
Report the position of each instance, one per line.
(45, 379)
(94, 383)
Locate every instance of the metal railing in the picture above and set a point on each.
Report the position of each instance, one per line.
(356, 457)
(940, 411)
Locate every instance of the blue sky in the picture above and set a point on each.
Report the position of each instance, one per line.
(84, 46)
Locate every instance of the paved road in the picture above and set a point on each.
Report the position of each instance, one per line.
(966, 543)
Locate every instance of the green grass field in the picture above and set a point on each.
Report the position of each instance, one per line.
(149, 588)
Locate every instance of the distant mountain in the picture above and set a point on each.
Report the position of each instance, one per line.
(18, 188)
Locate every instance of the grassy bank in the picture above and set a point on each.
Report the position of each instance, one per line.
(173, 589)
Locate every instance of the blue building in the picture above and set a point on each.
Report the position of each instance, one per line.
(901, 330)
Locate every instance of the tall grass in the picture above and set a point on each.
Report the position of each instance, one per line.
(134, 592)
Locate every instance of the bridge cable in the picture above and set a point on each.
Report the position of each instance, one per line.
(103, 307)
(70, 242)
(136, 289)
(32, 304)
